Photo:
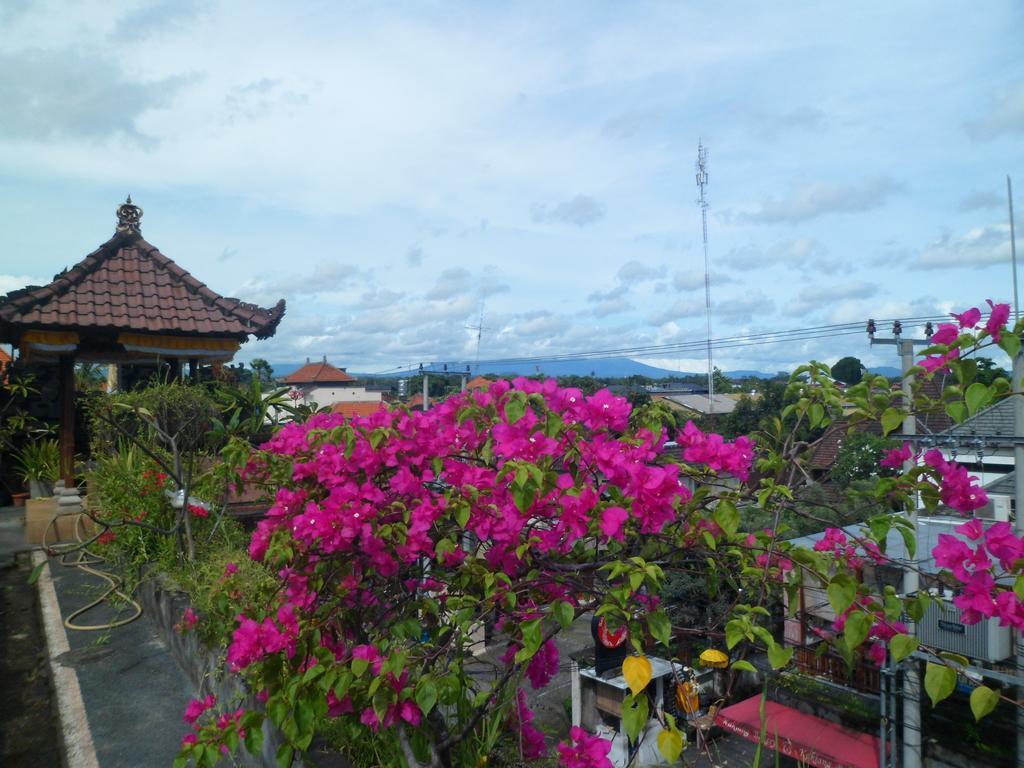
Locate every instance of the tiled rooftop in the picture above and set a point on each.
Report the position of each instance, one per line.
(128, 285)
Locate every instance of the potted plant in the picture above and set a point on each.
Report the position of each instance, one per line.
(38, 463)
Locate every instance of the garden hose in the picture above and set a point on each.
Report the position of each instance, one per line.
(83, 562)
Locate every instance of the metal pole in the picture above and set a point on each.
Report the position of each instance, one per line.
(911, 584)
(426, 393)
(1018, 492)
(1013, 250)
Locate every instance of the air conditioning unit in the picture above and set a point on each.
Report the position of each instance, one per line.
(942, 628)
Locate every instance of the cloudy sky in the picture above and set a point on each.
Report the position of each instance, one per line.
(392, 170)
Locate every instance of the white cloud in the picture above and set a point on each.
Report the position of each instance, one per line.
(608, 303)
(797, 253)
(1005, 115)
(692, 281)
(10, 283)
(580, 211)
(980, 201)
(636, 272)
(978, 247)
(809, 200)
(326, 277)
(676, 311)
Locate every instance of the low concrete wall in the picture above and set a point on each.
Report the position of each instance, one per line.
(164, 609)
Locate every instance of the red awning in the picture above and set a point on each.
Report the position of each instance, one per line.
(806, 738)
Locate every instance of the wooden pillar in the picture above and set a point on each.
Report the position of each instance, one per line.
(66, 378)
(193, 369)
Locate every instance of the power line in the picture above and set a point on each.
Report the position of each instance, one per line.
(665, 350)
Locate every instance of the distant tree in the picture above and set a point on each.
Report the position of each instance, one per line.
(723, 383)
(988, 371)
(858, 458)
(261, 370)
(848, 370)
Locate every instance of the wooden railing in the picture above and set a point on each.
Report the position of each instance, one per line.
(863, 677)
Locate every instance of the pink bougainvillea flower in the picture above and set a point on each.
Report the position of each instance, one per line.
(544, 665)
(968, 319)
(197, 707)
(612, 520)
(999, 317)
(947, 334)
(584, 750)
(896, 457)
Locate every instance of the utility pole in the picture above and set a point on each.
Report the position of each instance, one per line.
(1018, 457)
(911, 580)
(702, 182)
(426, 389)
(465, 379)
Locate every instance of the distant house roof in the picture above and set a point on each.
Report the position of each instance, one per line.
(320, 372)
(700, 404)
(358, 408)
(827, 448)
(479, 383)
(128, 285)
(994, 421)
(1003, 486)
(416, 401)
(4, 357)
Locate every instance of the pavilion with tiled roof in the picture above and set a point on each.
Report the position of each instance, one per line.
(126, 303)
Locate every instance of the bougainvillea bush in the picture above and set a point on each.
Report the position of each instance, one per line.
(398, 537)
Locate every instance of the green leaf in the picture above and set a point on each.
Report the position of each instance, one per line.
(34, 576)
(842, 591)
(426, 695)
(891, 418)
(1018, 587)
(727, 516)
(856, 629)
(564, 613)
(734, 633)
(815, 414)
(956, 658)
(359, 666)
(670, 744)
(254, 740)
(285, 755)
(660, 627)
(983, 701)
(744, 666)
(515, 408)
(1010, 342)
(939, 682)
(634, 715)
(531, 640)
(778, 656)
(902, 646)
(956, 411)
(977, 397)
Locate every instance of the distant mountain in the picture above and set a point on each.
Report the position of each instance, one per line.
(613, 367)
(885, 370)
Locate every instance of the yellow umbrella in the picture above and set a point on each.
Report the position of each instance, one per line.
(714, 658)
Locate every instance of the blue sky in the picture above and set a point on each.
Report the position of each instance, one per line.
(390, 169)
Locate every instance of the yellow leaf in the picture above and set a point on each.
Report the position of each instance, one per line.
(670, 744)
(637, 671)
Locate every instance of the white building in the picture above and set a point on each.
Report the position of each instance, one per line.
(322, 384)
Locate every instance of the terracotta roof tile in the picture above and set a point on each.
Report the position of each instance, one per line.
(128, 285)
(358, 409)
(317, 373)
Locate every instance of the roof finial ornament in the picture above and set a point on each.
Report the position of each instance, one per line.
(128, 217)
